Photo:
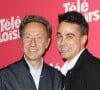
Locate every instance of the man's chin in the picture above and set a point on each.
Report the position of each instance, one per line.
(30, 58)
(64, 57)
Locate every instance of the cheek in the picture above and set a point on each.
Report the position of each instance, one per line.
(75, 41)
(76, 45)
(41, 44)
(58, 42)
(25, 44)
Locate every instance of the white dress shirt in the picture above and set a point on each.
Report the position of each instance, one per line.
(69, 65)
(36, 73)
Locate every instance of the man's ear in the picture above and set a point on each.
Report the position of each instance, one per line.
(84, 39)
(21, 40)
(48, 43)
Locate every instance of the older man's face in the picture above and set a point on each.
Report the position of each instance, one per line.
(34, 40)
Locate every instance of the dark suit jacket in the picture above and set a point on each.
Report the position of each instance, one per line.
(18, 77)
(85, 75)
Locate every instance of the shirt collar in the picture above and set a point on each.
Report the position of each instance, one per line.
(36, 73)
(30, 66)
(69, 65)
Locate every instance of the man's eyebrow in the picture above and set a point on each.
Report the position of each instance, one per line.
(58, 33)
(70, 34)
(66, 34)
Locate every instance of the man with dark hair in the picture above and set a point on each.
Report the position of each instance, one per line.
(31, 73)
(82, 69)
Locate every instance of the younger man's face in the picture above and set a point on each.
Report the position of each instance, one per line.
(69, 40)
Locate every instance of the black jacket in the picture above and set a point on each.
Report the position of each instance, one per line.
(18, 77)
(85, 75)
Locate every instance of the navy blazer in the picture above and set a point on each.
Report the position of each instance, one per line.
(85, 75)
(17, 77)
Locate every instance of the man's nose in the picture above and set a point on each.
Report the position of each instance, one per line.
(63, 41)
(33, 42)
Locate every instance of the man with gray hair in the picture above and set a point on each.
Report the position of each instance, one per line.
(31, 73)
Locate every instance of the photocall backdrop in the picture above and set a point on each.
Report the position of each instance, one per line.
(12, 11)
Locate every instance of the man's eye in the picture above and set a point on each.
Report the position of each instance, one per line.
(70, 36)
(27, 37)
(39, 37)
(59, 36)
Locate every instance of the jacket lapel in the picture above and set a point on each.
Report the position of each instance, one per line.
(45, 80)
(83, 59)
(25, 81)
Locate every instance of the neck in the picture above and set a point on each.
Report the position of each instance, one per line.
(35, 64)
(77, 55)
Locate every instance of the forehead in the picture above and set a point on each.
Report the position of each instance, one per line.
(34, 27)
(65, 27)
(34, 24)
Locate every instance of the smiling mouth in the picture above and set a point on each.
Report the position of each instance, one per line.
(33, 50)
(64, 50)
